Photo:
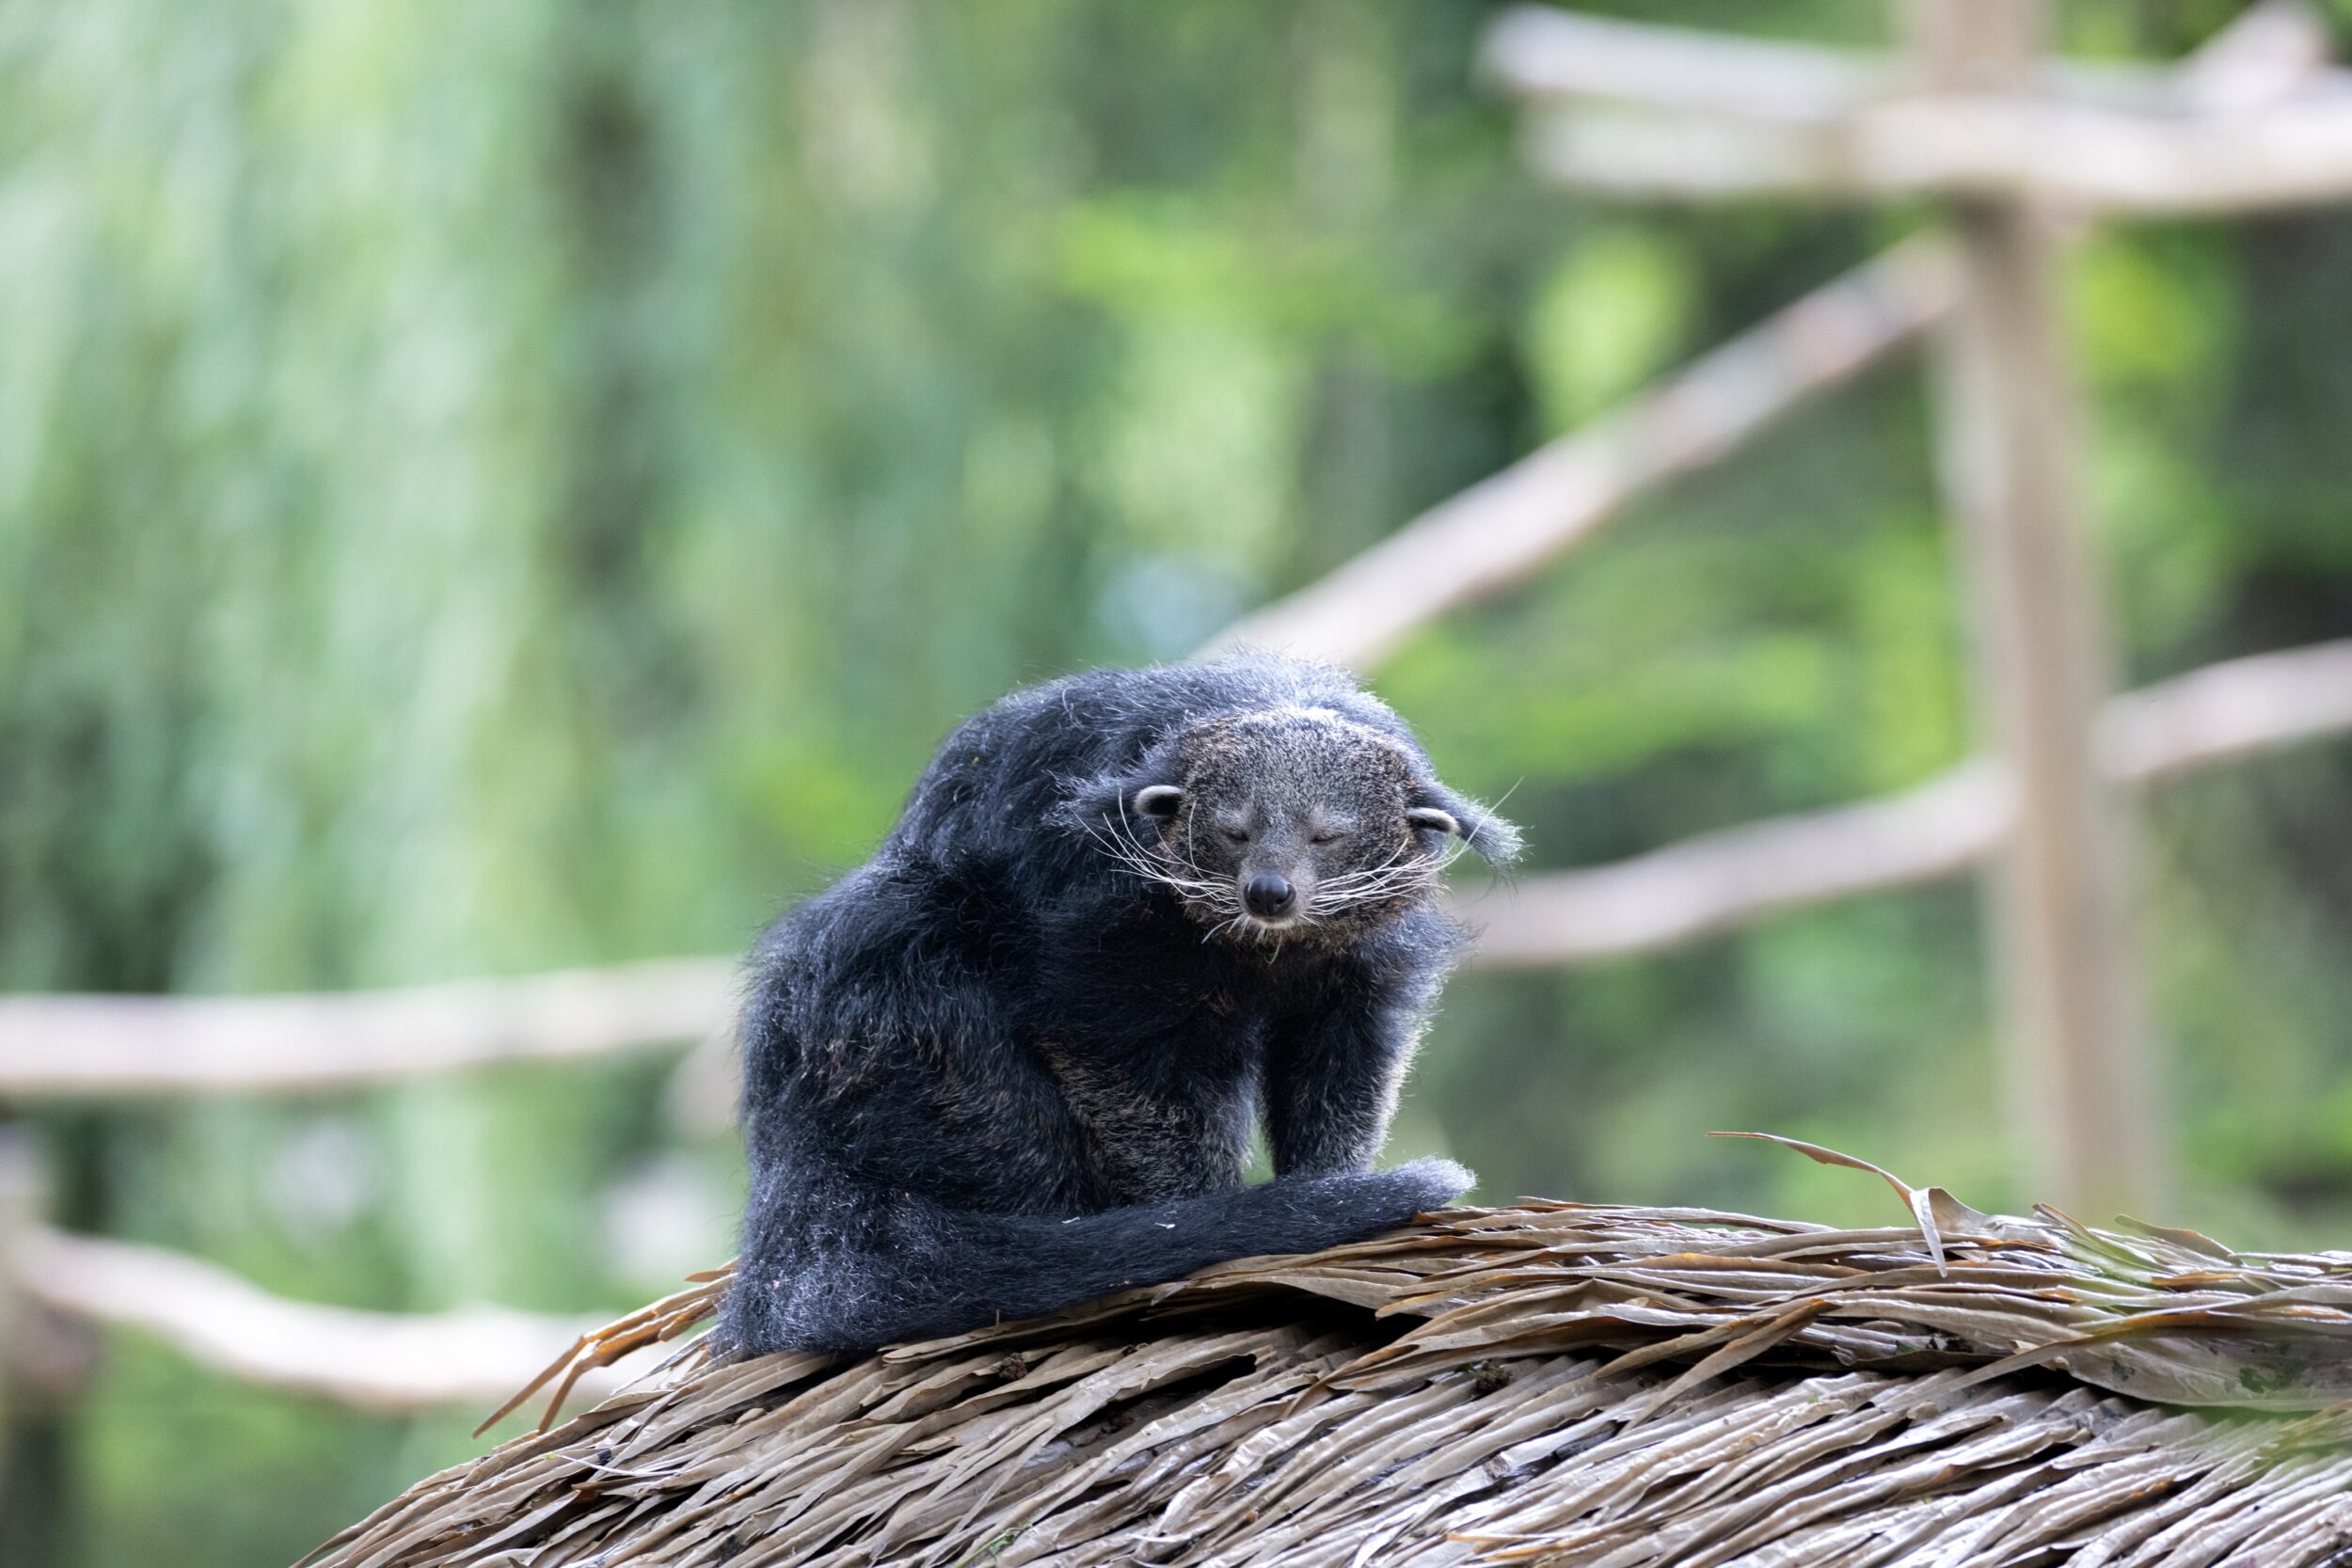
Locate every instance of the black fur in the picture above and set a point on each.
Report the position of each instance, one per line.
(1014, 1061)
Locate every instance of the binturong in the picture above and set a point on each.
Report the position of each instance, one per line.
(1015, 1061)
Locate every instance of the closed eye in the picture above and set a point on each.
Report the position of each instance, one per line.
(1327, 838)
(1235, 835)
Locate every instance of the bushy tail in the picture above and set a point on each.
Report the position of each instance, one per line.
(852, 1269)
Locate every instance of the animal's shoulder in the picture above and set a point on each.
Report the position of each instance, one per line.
(904, 910)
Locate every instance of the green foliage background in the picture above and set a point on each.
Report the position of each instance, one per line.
(491, 487)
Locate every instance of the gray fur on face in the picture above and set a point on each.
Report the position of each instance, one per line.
(1303, 795)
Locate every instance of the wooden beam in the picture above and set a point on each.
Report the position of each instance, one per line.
(1507, 528)
(2239, 708)
(2272, 51)
(2253, 123)
(1720, 881)
(23, 1197)
(2085, 161)
(1551, 55)
(68, 1046)
(383, 1361)
(1555, 58)
(2079, 1072)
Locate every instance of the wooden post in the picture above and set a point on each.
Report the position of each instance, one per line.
(22, 1198)
(2078, 1065)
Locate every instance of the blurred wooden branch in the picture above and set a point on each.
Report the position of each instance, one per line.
(1720, 882)
(2235, 708)
(23, 1194)
(1507, 528)
(383, 1361)
(1551, 55)
(2077, 158)
(1716, 882)
(1641, 111)
(2271, 51)
(69, 1046)
(2009, 422)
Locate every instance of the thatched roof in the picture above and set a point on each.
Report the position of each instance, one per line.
(1557, 1383)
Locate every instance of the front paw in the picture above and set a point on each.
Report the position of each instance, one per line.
(1432, 1181)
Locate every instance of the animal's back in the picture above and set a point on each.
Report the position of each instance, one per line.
(1006, 770)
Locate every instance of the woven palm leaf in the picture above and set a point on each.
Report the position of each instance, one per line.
(1553, 1382)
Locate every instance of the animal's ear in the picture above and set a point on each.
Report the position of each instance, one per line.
(1159, 801)
(1434, 808)
(1125, 797)
(1117, 801)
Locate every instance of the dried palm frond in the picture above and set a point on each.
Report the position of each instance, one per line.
(1558, 1381)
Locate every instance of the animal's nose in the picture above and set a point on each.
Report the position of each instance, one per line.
(1269, 897)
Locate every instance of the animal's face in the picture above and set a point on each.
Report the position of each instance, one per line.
(1297, 824)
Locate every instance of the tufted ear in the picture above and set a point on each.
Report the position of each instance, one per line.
(1436, 819)
(1434, 808)
(1159, 799)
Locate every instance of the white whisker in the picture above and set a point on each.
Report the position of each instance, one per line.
(1403, 874)
(1161, 866)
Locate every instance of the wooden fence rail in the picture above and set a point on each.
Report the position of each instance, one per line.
(71, 1047)
(385, 1361)
(1720, 882)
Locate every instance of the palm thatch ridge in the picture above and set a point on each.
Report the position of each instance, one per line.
(1551, 1383)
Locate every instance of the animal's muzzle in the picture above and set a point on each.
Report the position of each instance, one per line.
(1269, 897)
